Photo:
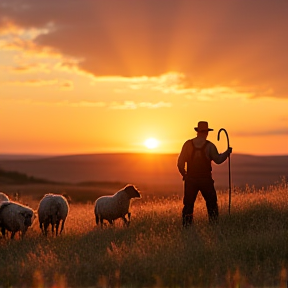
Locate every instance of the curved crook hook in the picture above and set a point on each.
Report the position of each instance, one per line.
(218, 137)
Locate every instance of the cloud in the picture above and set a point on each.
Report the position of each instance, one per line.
(238, 44)
(125, 105)
(29, 68)
(174, 83)
(63, 84)
(274, 132)
(63, 103)
(66, 85)
(34, 82)
(130, 105)
(88, 104)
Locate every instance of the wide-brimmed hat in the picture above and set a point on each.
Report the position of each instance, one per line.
(202, 127)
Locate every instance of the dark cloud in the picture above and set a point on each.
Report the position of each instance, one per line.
(274, 132)
(235, 43)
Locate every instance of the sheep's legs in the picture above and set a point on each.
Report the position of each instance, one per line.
(57, 227)
(46, 224)
(3, 231)
(111, 222)
(127, 222)
(101, 220)
(24, 232)
(97, 219)
(129, 219)
(62, 226)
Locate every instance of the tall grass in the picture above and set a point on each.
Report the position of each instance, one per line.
(246, 249)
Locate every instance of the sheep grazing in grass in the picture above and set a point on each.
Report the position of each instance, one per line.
(115, 206)
(52, 209)
(3, 197)
(15, 217)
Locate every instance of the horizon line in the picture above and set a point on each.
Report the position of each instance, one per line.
(37, 155)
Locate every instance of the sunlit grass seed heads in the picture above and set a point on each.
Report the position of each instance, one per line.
(248, 248)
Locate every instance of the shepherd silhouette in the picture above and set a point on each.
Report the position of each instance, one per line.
(194, 164)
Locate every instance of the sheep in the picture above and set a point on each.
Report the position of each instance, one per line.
(15, 217)
(115, 206)
(3, 197)
(52, 209)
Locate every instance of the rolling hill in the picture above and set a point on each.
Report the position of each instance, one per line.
(144, 169)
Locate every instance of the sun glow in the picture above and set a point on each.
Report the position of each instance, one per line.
(151, 143)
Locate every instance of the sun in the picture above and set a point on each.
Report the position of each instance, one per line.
(151, 143)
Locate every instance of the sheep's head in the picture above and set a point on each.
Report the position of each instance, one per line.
(67, 197)
(132, 192)
(29, 217)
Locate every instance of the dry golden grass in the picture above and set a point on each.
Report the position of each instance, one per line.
(246, 249)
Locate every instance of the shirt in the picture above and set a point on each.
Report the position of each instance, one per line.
(211, 153)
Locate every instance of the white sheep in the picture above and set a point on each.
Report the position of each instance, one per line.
(115, 206)
(15, 217)
(3, 197)
(52, 209)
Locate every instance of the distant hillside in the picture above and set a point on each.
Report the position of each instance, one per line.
(146, 169)
(14, 177)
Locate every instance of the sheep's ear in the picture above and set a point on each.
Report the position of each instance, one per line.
(67, 197)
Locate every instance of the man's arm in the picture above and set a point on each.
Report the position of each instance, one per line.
(182, 159)
(215, 156)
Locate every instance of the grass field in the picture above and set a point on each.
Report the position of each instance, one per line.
(249, 248)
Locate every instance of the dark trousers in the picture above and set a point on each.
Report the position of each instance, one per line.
(191, 188)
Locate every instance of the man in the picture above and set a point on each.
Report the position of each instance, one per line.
(194, 164)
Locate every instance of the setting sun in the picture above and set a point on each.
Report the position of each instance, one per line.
(151, 143)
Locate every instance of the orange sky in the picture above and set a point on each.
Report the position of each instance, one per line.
(103, 76)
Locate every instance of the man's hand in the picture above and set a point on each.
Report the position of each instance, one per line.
(230, 150)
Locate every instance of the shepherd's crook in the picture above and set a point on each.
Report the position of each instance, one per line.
(222, 129)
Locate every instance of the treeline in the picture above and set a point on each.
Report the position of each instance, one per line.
(14, 177)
